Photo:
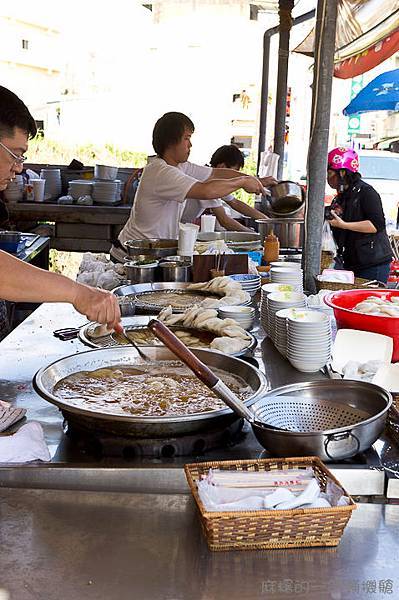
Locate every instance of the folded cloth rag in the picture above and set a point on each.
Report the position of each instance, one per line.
(10, 415)
(25, 445)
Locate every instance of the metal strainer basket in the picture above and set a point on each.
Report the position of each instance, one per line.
(308, 414)
(333, 419)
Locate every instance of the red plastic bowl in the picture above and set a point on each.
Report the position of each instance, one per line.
(343, 302)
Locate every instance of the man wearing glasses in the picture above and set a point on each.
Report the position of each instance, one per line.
(19, 281)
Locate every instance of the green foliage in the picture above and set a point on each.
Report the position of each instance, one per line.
(249, 169)
(47, 151)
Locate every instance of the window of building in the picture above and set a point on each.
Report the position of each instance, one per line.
(25, 44)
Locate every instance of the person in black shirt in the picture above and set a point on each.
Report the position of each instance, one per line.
(357, 218)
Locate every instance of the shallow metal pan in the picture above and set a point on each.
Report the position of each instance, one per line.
(140, 322)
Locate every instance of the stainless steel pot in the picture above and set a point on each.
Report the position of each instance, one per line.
(331, 419)
(140, 273)
(286, 197)
(290, 232)
(130, 425)
(175, 271)
(154, 247)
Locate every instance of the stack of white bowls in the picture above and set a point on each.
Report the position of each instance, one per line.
(80, 187)
(277, 301)
(52, 189)
(250, 283)
(280, 334)
(107, 192)
(266, 289)
(308, 340)
(243, 315)
(286, 272)
(15, 189)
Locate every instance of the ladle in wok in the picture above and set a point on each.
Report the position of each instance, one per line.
(203, 373)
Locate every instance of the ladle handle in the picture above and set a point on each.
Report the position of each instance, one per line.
(203, 373)
(172, 342)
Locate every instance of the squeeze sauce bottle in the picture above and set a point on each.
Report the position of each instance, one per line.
(271, 248)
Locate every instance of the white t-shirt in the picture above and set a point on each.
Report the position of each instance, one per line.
(160, 200)
(194, 208)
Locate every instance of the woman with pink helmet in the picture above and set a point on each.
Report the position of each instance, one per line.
(357, 218)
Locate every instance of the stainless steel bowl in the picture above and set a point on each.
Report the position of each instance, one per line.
(286, 196)
(153, 247)
(105, 172)
(130, 425)
(175, 271)
(140, 273)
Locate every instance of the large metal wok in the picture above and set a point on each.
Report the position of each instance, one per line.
(135, 426)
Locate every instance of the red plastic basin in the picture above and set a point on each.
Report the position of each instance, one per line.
(343, 302)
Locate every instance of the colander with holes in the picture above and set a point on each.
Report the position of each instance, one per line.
(332, 419)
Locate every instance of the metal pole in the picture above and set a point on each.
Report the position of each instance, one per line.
(326, 21)
(285, 8)
(264, 94)
(265, 79)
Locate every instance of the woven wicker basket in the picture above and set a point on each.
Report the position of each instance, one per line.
(271, 529)
(337, 285)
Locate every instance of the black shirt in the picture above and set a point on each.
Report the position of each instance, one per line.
(361, 202)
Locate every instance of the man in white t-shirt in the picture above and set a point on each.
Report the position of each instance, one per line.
(169, 180)
(228, 208)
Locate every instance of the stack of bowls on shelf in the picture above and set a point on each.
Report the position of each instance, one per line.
(15, 189)
(277, 301)
(249, 283)
(244, 315)
(280, 333)
(80, 187)
(308, 340)
(107, 192)
(52, 189)
(285, 272)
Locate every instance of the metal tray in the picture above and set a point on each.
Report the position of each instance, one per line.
(140, 322)
(138, 292)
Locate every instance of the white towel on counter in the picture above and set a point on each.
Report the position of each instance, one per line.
(25, 445)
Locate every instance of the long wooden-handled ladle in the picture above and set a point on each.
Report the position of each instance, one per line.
(203, 372)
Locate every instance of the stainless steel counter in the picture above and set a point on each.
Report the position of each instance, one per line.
(97, 545)
(83, 528)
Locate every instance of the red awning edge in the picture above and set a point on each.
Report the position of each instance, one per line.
(368, 59)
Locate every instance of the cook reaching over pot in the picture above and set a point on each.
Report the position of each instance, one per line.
(230, 208)
(169, 181)
(357, 218)
(19, 281)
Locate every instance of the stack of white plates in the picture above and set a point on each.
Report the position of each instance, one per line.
(53, 186)
(308, 340)
(107, 192)
(15, 189)
(279, 300)
(80, 187)
(280, 335)
(244, 315)
(286, 273)
(249, 283)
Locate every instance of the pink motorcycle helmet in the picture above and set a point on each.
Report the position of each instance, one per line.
(343, 158)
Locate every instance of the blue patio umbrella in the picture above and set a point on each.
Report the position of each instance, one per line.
(380, 94)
